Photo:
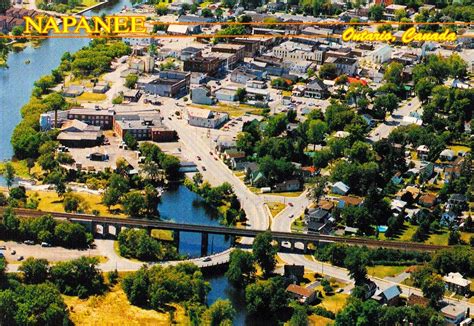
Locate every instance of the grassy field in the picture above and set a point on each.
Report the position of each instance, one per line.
(334, 302)
(234, 111)
(164, 235)
(381, 271)
(49, 201)
(91, 97)
(20, 167)
(297, 225)
(315, 320)
(275, 208)
(113, 308)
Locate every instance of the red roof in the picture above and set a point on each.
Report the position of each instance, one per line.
(384, 2)
(356, 80)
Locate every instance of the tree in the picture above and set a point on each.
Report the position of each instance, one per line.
(131, 81)
(299, 316)
(454, 238)
(266, 298)
(318, 189)
(206, 12)
(219, 313)
(130, 140)
(328, 71)
(424, 87)
(317, 130)
(264, 252)
(433, 288)
(4, 5)
(134, 204)
(111, 197)
(241, 93)
(241, 268)
(9, 174)
(376, 13)
(356, 262)
(71, 202)
(385, 103)
(35, 271)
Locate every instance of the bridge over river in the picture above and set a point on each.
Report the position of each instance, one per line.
(110, 227)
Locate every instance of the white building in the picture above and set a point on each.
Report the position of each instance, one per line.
(381, 54)
(206, 118)
(290, 50)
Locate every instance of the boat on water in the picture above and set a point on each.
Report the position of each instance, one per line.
(27, 62)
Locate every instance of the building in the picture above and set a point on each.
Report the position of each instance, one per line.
(143, 128)
(345, 201)
(301, 294)
(340, 188)
(139, 41)
(236, 51)
(455, 282)
(242, 75)
(75, 133)
(294, 51)
(226, 95)
(170, 83)
(453, 314)
(316, 89)
(101, 88)
(316, 219)
(422, 151)
(251, 46)
(389, 296)
(208, 65)
(288, 185)
(206, 118)
(189, 52)
(344, 65)
(96, 117)
(132, 95)
(202, 95)
(427, 200)
(381, 54)
(414, 299)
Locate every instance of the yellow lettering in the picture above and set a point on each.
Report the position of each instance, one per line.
(348, 34)
(409, 34)
(138, 25)
(121, 25)
(98, 22)
(68, 22)
(31, 25)
(83, 24)
(51, 25)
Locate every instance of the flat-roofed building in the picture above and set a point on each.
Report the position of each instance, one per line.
(96, 117)
(206, 118)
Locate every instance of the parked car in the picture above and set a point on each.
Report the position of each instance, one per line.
(29, 242)
(13, 252)
(199, 158)
(3, 248)
(20, 258)
(207, 259)
(203, 168)
(290, 204)
(45, 244)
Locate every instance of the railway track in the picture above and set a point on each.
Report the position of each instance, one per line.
(279, 236)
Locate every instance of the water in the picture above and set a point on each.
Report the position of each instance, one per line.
(181, 205)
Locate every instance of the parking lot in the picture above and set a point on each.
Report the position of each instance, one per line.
(14, 250)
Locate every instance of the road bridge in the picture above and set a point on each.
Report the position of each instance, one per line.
(105, 226)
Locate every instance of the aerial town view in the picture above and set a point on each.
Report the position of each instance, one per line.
(237, 162)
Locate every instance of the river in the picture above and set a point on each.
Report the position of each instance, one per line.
(180, 205)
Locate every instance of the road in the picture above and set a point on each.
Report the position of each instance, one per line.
(396, 119)
(196, 144)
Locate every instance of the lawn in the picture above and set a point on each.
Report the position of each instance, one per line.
(291, 194)
(316, 320)
(205, 4)
(297, 225)
(234, 111)
(405, 235)
(440, 238)
(334, 302)
(113, 308)
(381, 271)
(276, 208)
(165, 235)
(49, 201)
(91, 97)
(20, 167)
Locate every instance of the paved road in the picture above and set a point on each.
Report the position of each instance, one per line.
(384, 129)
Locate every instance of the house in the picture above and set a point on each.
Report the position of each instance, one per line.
(316, 89)
(455, 282)
(340, 188)
(189, 52)
(389, 296)
(238, 163)
(454, 314)
(422, 151)
(344, 65)
(73, 91)
(170, 83)
(301, 294)
(309, 172)
(295, 272)
(457, 200)
(397, 206)
(452, 172)
(202, 95)
(206, 118)
(447, 155)
(349, 230)
(226, 95)
(316, 219)
(397, 179)
(132, 95)
(346, 201)
(448, 218)
(244, 74)
(288, 185)
(232, 153)
(101, 88)
(427, 200)
(409, 194)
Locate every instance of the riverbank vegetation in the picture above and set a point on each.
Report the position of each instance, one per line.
(44, 229)
(221, 198)
(65, 6)
(139, 245)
